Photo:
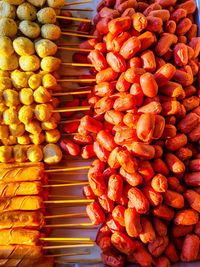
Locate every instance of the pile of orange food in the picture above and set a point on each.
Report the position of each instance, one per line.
(144, 128)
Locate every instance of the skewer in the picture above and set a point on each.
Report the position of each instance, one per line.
(69, 246)
(71, 109)
(79, 9)
(64, 185)
(65, 196)
(76, 31)
(67, 169)
(77, 80)
(84, 201)
(67, 254)
(75, 261)
(66, 215)
(71, 93)
(71, 225)
(78, 35)
(67, 44)
(57, 239)
(78, 3)
(72, 18)
(69, 121)
(74, 49)
(76, 64)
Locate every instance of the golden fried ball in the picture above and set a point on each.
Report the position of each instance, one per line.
(17, 129)
(29, 63)
(29, 29)
(52, 136)
(19, 153)
(10, 141)
(37, 139)
(45, 48)
(49, 81)
(26, 96)
(10, 116)
(5, 153)
(46, 15)
(43, 112)
(19, 79)
(33, 127)
(55, 102)
(50, 124)
(56, 3)
(4, 73)
(8, 27)
(25, 114)
(52, 154)
(50, 64)
(10, 62)
(26, 11)
(5, 83)
(23, 46)
(56, 116)
(6, 46)
(50, 31)
(37, 3)
(41, 95)
(7, 10)
(14, 2)
(2, 107)
(4, 131)
(23, 140)
(34, 153)
(11, 97)
(35, 81)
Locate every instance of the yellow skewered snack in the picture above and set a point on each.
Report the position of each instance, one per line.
(7, 10)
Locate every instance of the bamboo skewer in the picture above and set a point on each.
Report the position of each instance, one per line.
(77, 80)
(69, 121)
(79, 35)
(69, 246)
(79, 9)
(66, 169)
(74, 49)
(66, 196)
(76, 261)
(71, 93)
(72, 18)
(76, 31)
(85, 201)
(67, 254)
(76, 64)
(64, 185)
(71, 109)
(71, 225)
(58, 239)
(66, 215)
(78, 3)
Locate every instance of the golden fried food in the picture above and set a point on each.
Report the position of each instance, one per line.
(50, 31)
(17, 129)
(11, 97)
(49, 81)
(34, 153)
(35, 81)
(15, 2)
(29, 63)
(56, 3)
(29, 29)
(10, 116)
(10, 62)
(23, 46)
(23, 140)
(26, 96)
(26, 11)
(4, 73)
(37, 139)
(52, 136)
(46, 15)
(43, 112)
(52, 154)
(25, 114)
(6, 46)
(5, 83)
(49, 124)
(19, 79)
(5, 153)
(8, 27)
(37, 3)
(4, 131)
(50, 64)
(7, 10)
(33, 127)
(19, 153)
(45, 48)
(10, 141)
(41, 95)
(56, 116)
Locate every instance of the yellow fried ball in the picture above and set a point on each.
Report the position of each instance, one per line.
(29, 63)
(25, 114)
(7, 10)
(5, 83)
(37, 139)
(5, 153)
(50, 64)
(52, 136)
(49, 81)
(10, 62)
(4, 131)
(26, 96)
(26, 11)
(29, 29)
(19, 79)
(50, 124)
(10, 141)
(8, 27)
(46, 15)
(15, 2)
(45, 48)
(52, 154)
(23, 46)
(43, 112)
(23, 139)
(56, 3)
(6, 46)
(50, 31)
(55, 102)
(41, 95)
(17, 129)
(33, 127)
(35, 81)
(10, 116)
(37, 3)
(56, 116)
(11, 97)
(4, 73)
(19, 153)
(34, 153)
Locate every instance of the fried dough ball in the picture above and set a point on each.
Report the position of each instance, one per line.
(37, 3)
(50, 64)
(50, 31)
(34, 153)
(56, 3)
(52, 136)
(10, 141)
(19, 153)
(23, 46)
(4, 131)
(26, 11)
(35, 81)
(26, 96)
(10, 62)
(4, 73)
(49, 81)
(6, 46)
(5, 83)
(52, 154)
(2, 107)
(14, 2)
(41, 95)
(55, 102)
(5, 153)
(10, 116)
(46, 15)
(33, 127)
(7, 10)
(11, 97)
(29, 63)
(45, 48)
(29, 29)
(8, 27)
(50, 124)
(19, 79)
(23, 140)
(17, 129)
(37, 139)
(56, 116)
(43, 112)
(25, 114)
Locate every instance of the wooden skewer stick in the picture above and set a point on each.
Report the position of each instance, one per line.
(66, 169)
(58, 239)
(71, 93)
(64, 185)
(75, 261)
(74, 49)
(77, 80)
(79, 35)
(69, 121)
(79, 9)
(66, 215)
(70, 225)
(69, 246)
(78, 3)
(72, 18)
(76, 64)
(68, 44)
(65, 196)
(67, 182)
(71, 109)
(85, 201)
(75, 31)
(67, 254)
